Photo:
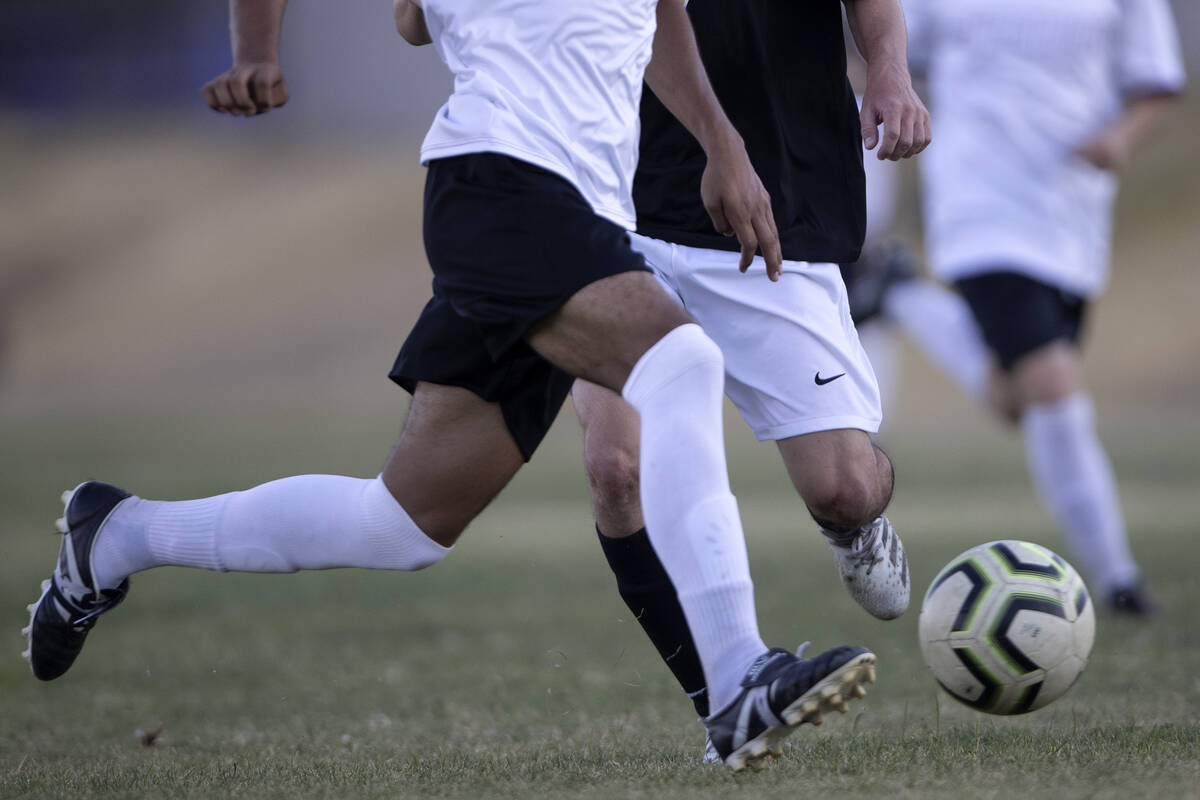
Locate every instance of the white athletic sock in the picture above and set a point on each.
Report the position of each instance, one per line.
(939, 322)
(1074, 477)
(691, 516)
(305, 522)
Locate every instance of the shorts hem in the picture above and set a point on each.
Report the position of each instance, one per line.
(772, 433)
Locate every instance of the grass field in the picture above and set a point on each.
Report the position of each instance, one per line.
(513, 670)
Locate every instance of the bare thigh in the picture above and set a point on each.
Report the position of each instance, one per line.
(454, 456)
(603, 329)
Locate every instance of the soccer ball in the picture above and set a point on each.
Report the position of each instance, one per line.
(1006, 627)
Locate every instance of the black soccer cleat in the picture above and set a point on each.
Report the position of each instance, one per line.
(781, 691)
(877, 270)
(1132, 600)
(70, 602)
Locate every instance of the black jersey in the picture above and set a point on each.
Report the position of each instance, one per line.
(778, 68)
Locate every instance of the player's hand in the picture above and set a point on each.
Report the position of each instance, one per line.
(247, 90)
(889, 100)
(739, 205)
(1107, 150)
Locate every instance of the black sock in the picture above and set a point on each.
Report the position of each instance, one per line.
(650, 595)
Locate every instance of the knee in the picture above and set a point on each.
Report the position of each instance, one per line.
(850, 496)
(613, 477)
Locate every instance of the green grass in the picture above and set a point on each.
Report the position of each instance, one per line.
(513, 669)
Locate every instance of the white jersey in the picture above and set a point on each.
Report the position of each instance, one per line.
(555, 83)
(1015, 87)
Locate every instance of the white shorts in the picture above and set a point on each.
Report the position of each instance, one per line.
(793, 362)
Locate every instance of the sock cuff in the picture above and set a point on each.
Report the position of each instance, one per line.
(669, 358)
(397, 541)
(1076, 408)
(633, 560)
(185, 532)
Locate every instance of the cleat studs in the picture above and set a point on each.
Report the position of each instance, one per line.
(66, 496)
(860, 692)
(25, 631)
(870, 673)
(61, 524)
(45, 584)
(26, 654)
(816, 720)
(829, 692)
(31, 607)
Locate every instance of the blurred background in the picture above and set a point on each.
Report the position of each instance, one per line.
(179, 287)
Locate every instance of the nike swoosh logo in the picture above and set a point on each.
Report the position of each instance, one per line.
(822, 381)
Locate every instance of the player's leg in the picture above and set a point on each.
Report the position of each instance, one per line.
(624, 332)
(1033, 330)
(1072, 472)
(473, 421)
(846, 482)
(611, 432)
(843, 477)
(301, 522)
(827, 387)
(454, 456)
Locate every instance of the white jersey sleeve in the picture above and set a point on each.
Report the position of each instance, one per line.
(1148, 57)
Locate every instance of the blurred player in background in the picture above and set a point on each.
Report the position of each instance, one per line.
(886, 292)
(1037, 107)
(794, 366)
(527, 203)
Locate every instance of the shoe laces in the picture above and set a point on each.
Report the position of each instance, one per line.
(863, 549)
(90, 606)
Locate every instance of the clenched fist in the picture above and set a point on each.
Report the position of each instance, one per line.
(247, 90)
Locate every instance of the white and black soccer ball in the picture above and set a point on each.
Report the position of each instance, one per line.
(1007, 627)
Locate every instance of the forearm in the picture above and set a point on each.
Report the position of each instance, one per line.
(1141, 116)
(677, 77)
(879, 33)
(410, 22)
(254, 28)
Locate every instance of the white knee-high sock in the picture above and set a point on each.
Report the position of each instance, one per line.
(940, 324)
(305, 522)
(691, 516)
(1074, 477)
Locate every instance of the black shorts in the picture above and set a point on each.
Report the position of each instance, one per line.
(508, 243)
(1018, 314)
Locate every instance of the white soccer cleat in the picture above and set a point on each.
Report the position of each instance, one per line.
(873, 566)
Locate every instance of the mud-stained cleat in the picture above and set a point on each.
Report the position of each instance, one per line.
(781, 691)
(70, 603)
(873, 566)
